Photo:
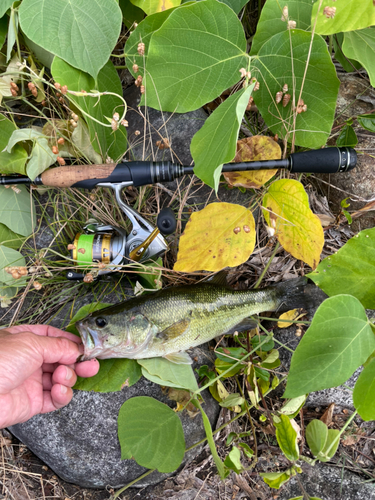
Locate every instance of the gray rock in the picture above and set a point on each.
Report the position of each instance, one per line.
(328, 483)
(79, 442)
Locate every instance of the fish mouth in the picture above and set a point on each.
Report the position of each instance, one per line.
(92, 345)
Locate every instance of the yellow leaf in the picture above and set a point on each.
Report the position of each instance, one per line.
(256, 148)
(220, 235)
(223, 393)
(291, 316)
(286, 209)
(152, 6)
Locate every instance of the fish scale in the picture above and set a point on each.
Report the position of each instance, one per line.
(170, 321)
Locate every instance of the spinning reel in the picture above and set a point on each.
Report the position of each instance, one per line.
(112, 247)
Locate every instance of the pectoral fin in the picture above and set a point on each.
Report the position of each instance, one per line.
(242, 326)
(180, 358)
(174, 331)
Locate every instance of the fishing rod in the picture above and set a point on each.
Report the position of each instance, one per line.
(110, 246)
(140, 173)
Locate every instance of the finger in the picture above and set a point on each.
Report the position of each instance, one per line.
(64, 375)
(59, 396)
(59, 350)
(87, 368)
(47, 381)
(49, 367)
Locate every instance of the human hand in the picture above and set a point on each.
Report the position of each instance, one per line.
(37, 370)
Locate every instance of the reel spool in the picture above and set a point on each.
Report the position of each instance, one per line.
(112, 247)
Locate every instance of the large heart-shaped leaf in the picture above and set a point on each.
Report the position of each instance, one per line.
(82, 32)
(9, 238)
(220, 235)
(282, 60)
(350, 269)
(105, 141)
(17, 210)
(4, 6)
(10, 258)
(194, 56)
(286, 210)
(360, 45)
(151, 433)
(215, 143)
(348, 15)
(272, 19)
(338, 342)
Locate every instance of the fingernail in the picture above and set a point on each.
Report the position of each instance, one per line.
(68, 374)
(63, 389)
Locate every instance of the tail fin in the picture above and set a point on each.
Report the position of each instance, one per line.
(291, 294)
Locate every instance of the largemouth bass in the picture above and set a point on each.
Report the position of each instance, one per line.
(173, 320)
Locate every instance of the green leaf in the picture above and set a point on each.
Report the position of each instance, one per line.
(113, 375)
(228, 353)
(164, 372)
(222, 366)
(347, 137)
(17, 210)
(287, 438)
(9, 238)
(364, 393)
(130, 13)
(267, 346)
(41, 155)
(15, 161)
(4, 6)
(316, 436)
(277, 66)
(151, 433)
(272, 21)
(235, 5)
(367, 122)
(338, 342)
(331, 445)
(348, 64)
(360, 45)
(83, 32)
(143, 33)
(10, 258)
(351, 269)
(6, 294)
(350, 15)
(232, 400)
(3, 30)
(293, 406)
(215, 143)
(12, 31)
(233, 460)
(104, 140)
(153, 6)
(277, 479)
(194, 56)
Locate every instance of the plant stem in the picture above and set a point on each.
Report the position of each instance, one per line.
(277, 246)
(118, 492)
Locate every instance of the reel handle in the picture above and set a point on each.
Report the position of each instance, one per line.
(166, 221)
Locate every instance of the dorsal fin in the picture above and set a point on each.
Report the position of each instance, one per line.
(218, 279)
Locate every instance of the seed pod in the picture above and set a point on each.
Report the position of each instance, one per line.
(81, 250)
(137, 132)
(116, 116)
(16, 189)
(14, 85)
(304, 108)
(61, 140)
(286, 99)
(141, 49)
(43, 103)
(291, 25)
(279, 96)
(246, 229)
(75, 117)
(37, 285)
(243, 72)
(285, 88)
(138, 81)
(125, 123)
(13, 92)
(23, 271)
(89, 278)
(135, 68)
(64, 89)
(55, 150)
(256, 86)
(30, 86)
(285, 15)
(57, 86)
(16, 275)
(276, 137)
(60, 161)
(329, 12)
(71, 246)
(142, 89)
(73, 123)
(236, 230)
(114, 125)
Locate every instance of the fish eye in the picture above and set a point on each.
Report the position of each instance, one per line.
(101, 322)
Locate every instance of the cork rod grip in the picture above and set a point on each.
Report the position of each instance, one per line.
(68, 176)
